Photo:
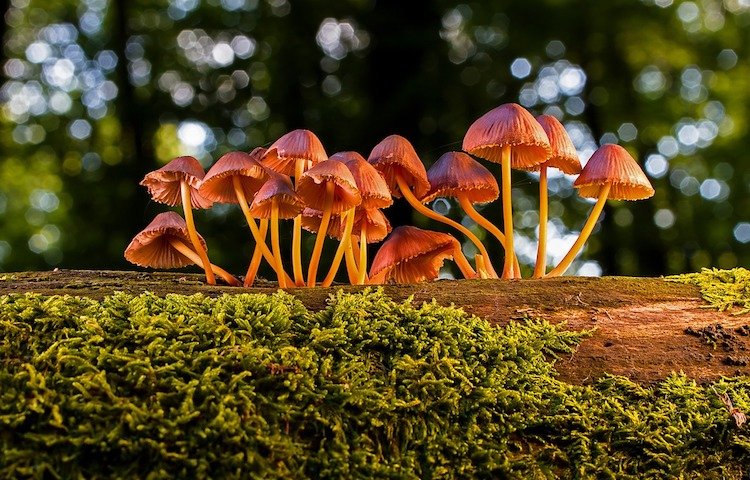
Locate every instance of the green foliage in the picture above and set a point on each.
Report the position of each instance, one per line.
(722, 289)
(257, 386)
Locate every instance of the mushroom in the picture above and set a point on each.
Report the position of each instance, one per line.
(565, 158)
(177, 183)
(412, 255)
(329, 187)
(235, 178)
(291, 155)
(394, 157)
(611, 172)
(508, 135)
(277, 199)
(164, 243)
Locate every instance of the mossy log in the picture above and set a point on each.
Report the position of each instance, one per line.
(645, 328)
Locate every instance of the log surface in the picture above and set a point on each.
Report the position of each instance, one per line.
(642, 324)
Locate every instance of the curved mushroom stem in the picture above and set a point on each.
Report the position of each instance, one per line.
(541, 250)
(463, 264)
(352, 270)
(418, 206)
(312, 270)
(588, 227)
(260, 240)
(280, 274)
(252, 269)
(507, 213)
(482, 221)
(299, 278)
(195, 258)
(362, 254)
(345, 241)
(193, 234)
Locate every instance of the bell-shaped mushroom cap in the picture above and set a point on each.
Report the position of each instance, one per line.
(346, 157)
(613, 164)
(311, 186)
(378, 226)
(218, 185)
(508, 125)
(396, 155)
(311, 219)
(151, 247)
(371, 184)
(278, 187)
(164, 184)
(283, 154)
(564, 156)
(457, 174)
(411, 255)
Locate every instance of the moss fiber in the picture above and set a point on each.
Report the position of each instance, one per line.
(257, 386)
(722, 289)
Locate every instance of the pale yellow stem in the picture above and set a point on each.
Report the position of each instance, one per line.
(588, 227)
(312, 270)
(193, 234)
(181, 247)
(351, 263)
(341, 248)
(279, 267)
(507, 213)
(541, 251)
(299, 278)
(482, 221)
(252, 269)
(362, 254)
(479, 261)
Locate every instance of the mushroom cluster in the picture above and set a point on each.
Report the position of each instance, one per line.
(343, 197)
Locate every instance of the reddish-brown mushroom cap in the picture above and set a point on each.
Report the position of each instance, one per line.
(348, 156)
(283, 154)
(311, 186)
(371, 184)
(456, 174)
(508, 125)
(378, 226)
(411, 255)
(218, 185)
(151, 247)
(277, 187)
(613, 164)
(164, 184)
(395, 155)
(564, 155)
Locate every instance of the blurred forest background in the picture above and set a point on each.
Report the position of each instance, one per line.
(96, 93)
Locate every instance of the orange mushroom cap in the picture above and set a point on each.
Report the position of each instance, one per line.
(311, 186)
(411, 255)
(164, 184)
(378, 226)
(277, 187)
(371, 184)
(151, 247)
(218, 186)
(346, 157)
(300, 144)
(396, 155)
(456, 174)
(508, 125)
(564, 155)
(613, 164)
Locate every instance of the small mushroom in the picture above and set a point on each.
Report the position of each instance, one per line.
(613, 173)
(164, 243)
(508, 135)
(412, 255)
(177, 183)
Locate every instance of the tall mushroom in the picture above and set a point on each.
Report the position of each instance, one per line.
(565, 158)
(397, 161)
(177, 183)
(235, 178)
(291, 155)
(329, 187)
(165, 243)
(612, 173)
(412, 255)
(508, 135)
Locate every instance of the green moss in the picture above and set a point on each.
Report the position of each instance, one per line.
(258, 386)
(722, 289)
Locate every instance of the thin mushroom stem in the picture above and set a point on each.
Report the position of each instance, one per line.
(483, 222)
(541, 251)
(352, 270)
(260, 240)
(178, 245)
(280, 274)
(299, 278)
(362, 254)
(193, 234)
(252, 269)
(418, 206)
(341, 248)
(463, 263)
(479, 261)
(588, 227)
(507, 213)
(312, 270)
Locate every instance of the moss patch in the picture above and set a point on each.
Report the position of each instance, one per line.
(257, 385)
(722, 289)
